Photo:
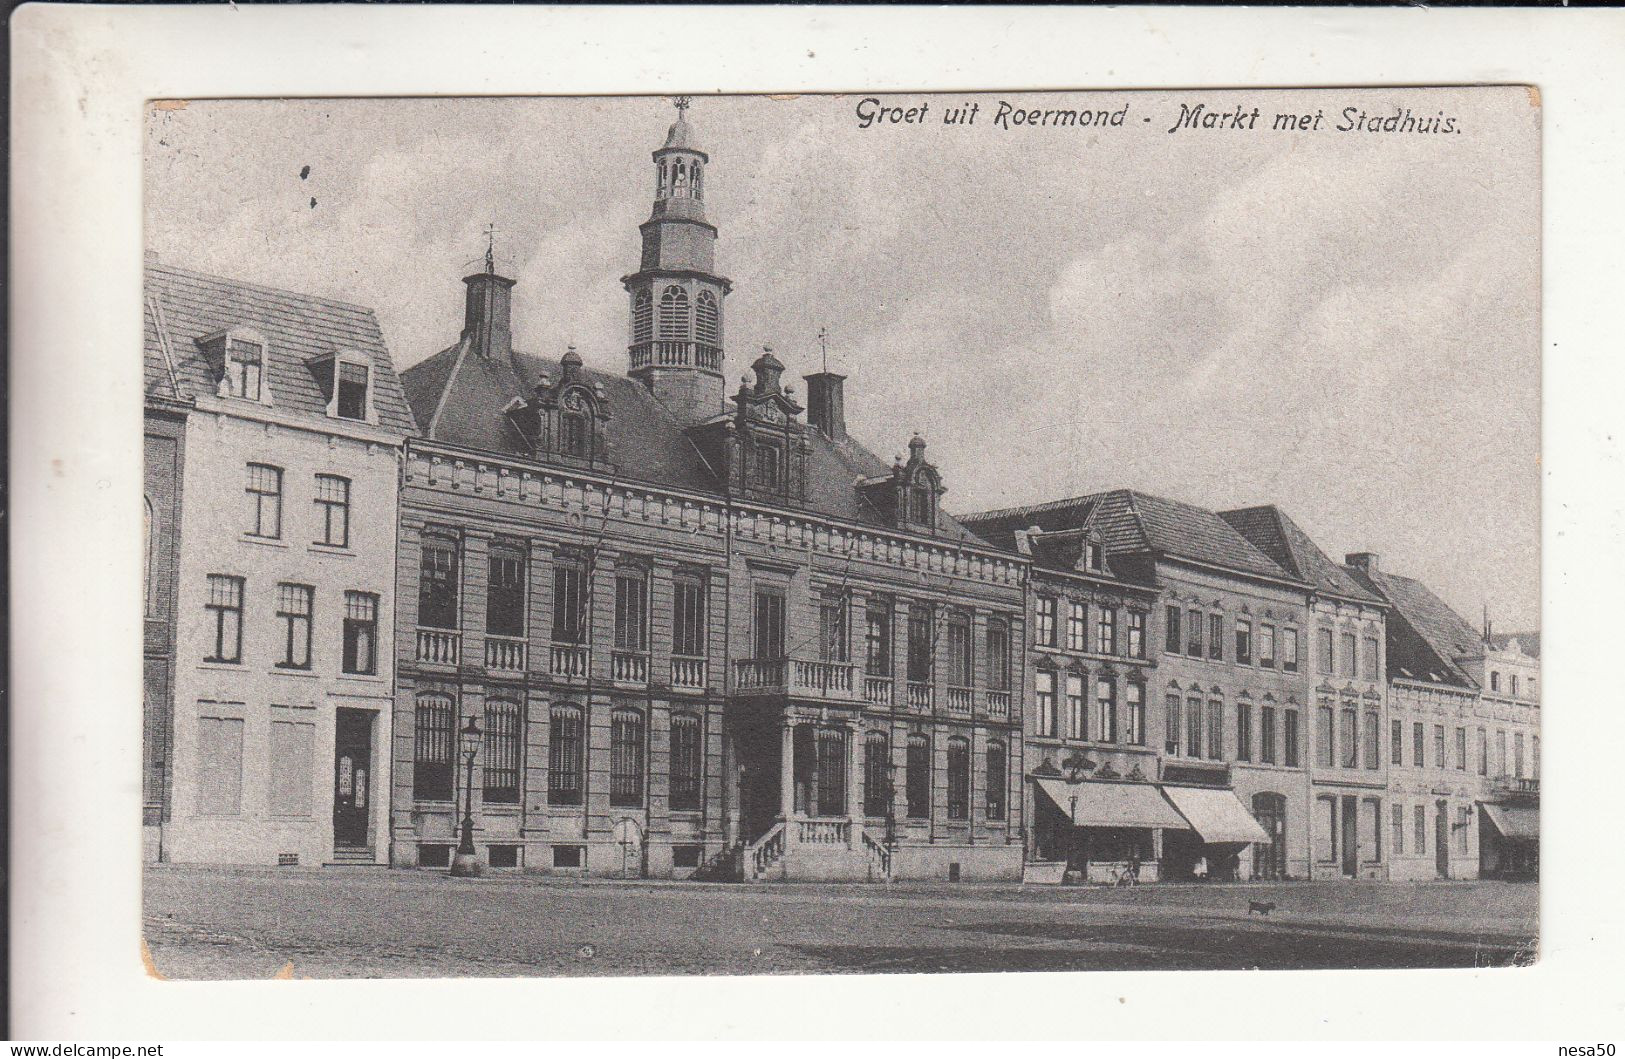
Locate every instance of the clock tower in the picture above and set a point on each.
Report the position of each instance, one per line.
(675, 338)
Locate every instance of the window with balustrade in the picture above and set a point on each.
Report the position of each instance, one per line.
(919, 642)
(998, 780)
(1105, 631)
(505, 593)
(917, 781)
(876, 774)
(707, 319)
(998, 655)
(1134, 713)
(1044, 703)
(631, 610)
(958, 778)
(768, 622)
(1077, 708)
(500, 767)
(626, 757)
(566, 757)
(688, 617)
(832, 638)
(961, 658)
(570, 617)
(674, 314)
(1077, 627)
(685, 763)
(437, 583)
(434, 722)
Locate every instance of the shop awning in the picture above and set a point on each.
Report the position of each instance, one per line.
(1216, 814)
(1100, 804)
(1514, 821)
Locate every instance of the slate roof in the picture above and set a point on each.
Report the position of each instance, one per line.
(1529, 641)
(459, 397)
(1284, 541)
(297, 327)
(1135, 522)
(1425, 637)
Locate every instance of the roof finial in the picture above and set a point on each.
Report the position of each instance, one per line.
(681, 103)
(490, 248)
(823, 345)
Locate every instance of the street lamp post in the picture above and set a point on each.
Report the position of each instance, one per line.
(465, 863)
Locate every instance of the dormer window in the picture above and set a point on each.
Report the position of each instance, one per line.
(920, 502)
(574, 433)
(767, 465)
(352, 395)
(345, 378)
(1092, 555)
(245, 366)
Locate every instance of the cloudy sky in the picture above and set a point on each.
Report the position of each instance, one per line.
(1342, 323)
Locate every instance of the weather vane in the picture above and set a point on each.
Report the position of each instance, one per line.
(490, 247)
(681, 103)
(823, 344)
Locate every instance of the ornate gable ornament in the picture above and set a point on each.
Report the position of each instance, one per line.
(567, 420)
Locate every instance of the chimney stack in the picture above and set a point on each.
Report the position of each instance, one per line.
(485, 319)
(826, 403)
(1366, 561)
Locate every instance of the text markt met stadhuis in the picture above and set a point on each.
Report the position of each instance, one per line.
(872, 112)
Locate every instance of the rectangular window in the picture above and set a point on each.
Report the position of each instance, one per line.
(1418, 746)
(917, 780)
(1244, 642)
(264, 501)
(1266, 645)
(919, 642)
(877, 638)
(1396, 742)
(1461, 749)
(1244, 731)
(437, 584)
(998, 655)
(768, 622)
(1350, 737)
(352, 403)
(1215, 730)
(1438, 747)
(1077, 708)
(1514, 688)
(1501, 753)
(1136, 634)
(1134, 714)
(626, 758)
(564, 756)
(1323, 737)
(1421, 817)
(958, 779)
(998, 779)
(1327, 667)
(1193, 633)
(1171, 627)
(1077, 627)
(1215, 637)
(1289, 738)
(244, 368)
(832, 638)
(333, 510)
(767, 460)
(505, 595)
(1171, 729)
(961, 660)
(1106, 711)
(294, 604)
(500, 769)
(360, 632)
(688, 617)
(1044, 628)
(1349, 660)
(876, 774)
(570, 618)
(1266, 735)
(1373, 740)
(1483, 753)
(685, 764)
(631, 610)
(1289, 649)
(293, 763)
(1371, 831)
(1371, 658)
(1398, 837)
(225, 612)
(433, 725)
(1105, 631)
(1193, 727)
(1325, 829)
(1517, 755)
(1044, 703)
(220, 766)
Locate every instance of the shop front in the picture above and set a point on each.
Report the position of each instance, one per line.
(1217, 834)
(1509, 840)
(1105, 832)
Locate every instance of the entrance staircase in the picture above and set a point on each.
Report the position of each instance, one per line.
(815, 850)
(726, 865)
(352, 857)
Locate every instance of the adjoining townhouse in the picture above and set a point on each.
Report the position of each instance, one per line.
(1225, 782)
(689, 632)
(1342, 667)
(1508, 673)
(282, 594)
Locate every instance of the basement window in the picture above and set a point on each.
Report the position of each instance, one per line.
(567, 856)
(434, 855)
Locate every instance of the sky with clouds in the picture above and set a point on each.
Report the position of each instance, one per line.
(1341, 323)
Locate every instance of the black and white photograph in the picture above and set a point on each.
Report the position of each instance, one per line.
(842, 533)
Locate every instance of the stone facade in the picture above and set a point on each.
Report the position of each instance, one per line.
(164, 455)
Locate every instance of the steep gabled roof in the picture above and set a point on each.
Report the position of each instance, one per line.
(1272, 532)
(182, 306)
(1529, 642)
(1133, 522)
(1425, 637)
(459, 397)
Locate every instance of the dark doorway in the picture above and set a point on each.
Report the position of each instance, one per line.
(352, 777)
(1441, 839)
(1351, 836)
(758, 747)
(1269, 858)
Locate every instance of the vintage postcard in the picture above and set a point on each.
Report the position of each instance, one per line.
(817, 534)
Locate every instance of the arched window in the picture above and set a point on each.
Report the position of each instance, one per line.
(674, 314)
(685, 762)
(660, 181)
(707, 322)
(148, 556)
(642, 316)
(876, 774)
(434, 725)
(958, 778)
(998, 778)
(564, 757)
(502, 743)
(626, 757)
(694, 180)
(575, 433)
(918, 781)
